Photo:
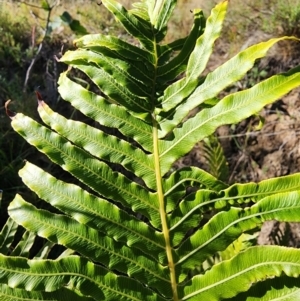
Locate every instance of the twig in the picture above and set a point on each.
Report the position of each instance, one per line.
(31, 66)
(28, 72)
(256, 134)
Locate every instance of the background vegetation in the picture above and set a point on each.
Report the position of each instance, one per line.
(25, 26)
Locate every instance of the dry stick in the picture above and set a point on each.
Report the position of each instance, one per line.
(257, 134)
(28, 72)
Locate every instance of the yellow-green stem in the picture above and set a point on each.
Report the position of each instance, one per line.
(163, 215)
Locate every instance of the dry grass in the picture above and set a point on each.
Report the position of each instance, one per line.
(275, 17)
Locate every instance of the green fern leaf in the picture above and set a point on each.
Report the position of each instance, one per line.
(229, 225)
(7, 235)
(137, 27)
(12, 294)
(73, 273)
(250, 266)
(217, 163)
(230, 109)
(92, 211)
(178, 64)
(113, 150)
(90, 243)
(222, 77)
(198, 59)
(107, 114)
(282, 288)
(111, 79)
(90, 171)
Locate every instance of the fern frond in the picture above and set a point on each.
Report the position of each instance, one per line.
(140, 229)
(214, 154)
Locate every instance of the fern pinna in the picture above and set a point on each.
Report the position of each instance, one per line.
(134, 230)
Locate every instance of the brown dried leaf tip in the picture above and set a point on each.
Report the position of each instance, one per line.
(9, 113)
(38, 96)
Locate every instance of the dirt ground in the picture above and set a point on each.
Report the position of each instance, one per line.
(272, 151)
